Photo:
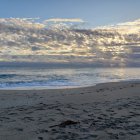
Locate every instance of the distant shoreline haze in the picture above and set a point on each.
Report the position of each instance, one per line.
(65, 65)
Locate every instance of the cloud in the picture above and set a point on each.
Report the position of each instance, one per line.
(23, 39)
(132, 23)
(65, 20)
(63, 23)
(21, 22)
(132, 27)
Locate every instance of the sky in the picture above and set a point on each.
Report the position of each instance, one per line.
(94, 12)
(46, 31)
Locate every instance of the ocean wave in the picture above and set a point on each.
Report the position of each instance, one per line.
(64, 77)
(4, 76)
(36, 83)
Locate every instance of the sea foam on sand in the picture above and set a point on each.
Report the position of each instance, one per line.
(102, 112)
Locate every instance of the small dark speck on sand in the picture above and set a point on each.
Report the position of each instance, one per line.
(40, 138)
(65, 123)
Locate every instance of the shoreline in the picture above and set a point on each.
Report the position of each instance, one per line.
(39, 88)
(106, 111)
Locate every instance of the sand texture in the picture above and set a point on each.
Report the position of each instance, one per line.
(107, 111)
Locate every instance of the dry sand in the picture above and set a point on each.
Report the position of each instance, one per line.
(104, 112)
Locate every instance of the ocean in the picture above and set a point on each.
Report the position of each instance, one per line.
(45, 78)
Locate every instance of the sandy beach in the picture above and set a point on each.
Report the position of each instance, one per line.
(107, 111)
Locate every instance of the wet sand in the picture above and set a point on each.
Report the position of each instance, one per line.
(107, 111)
